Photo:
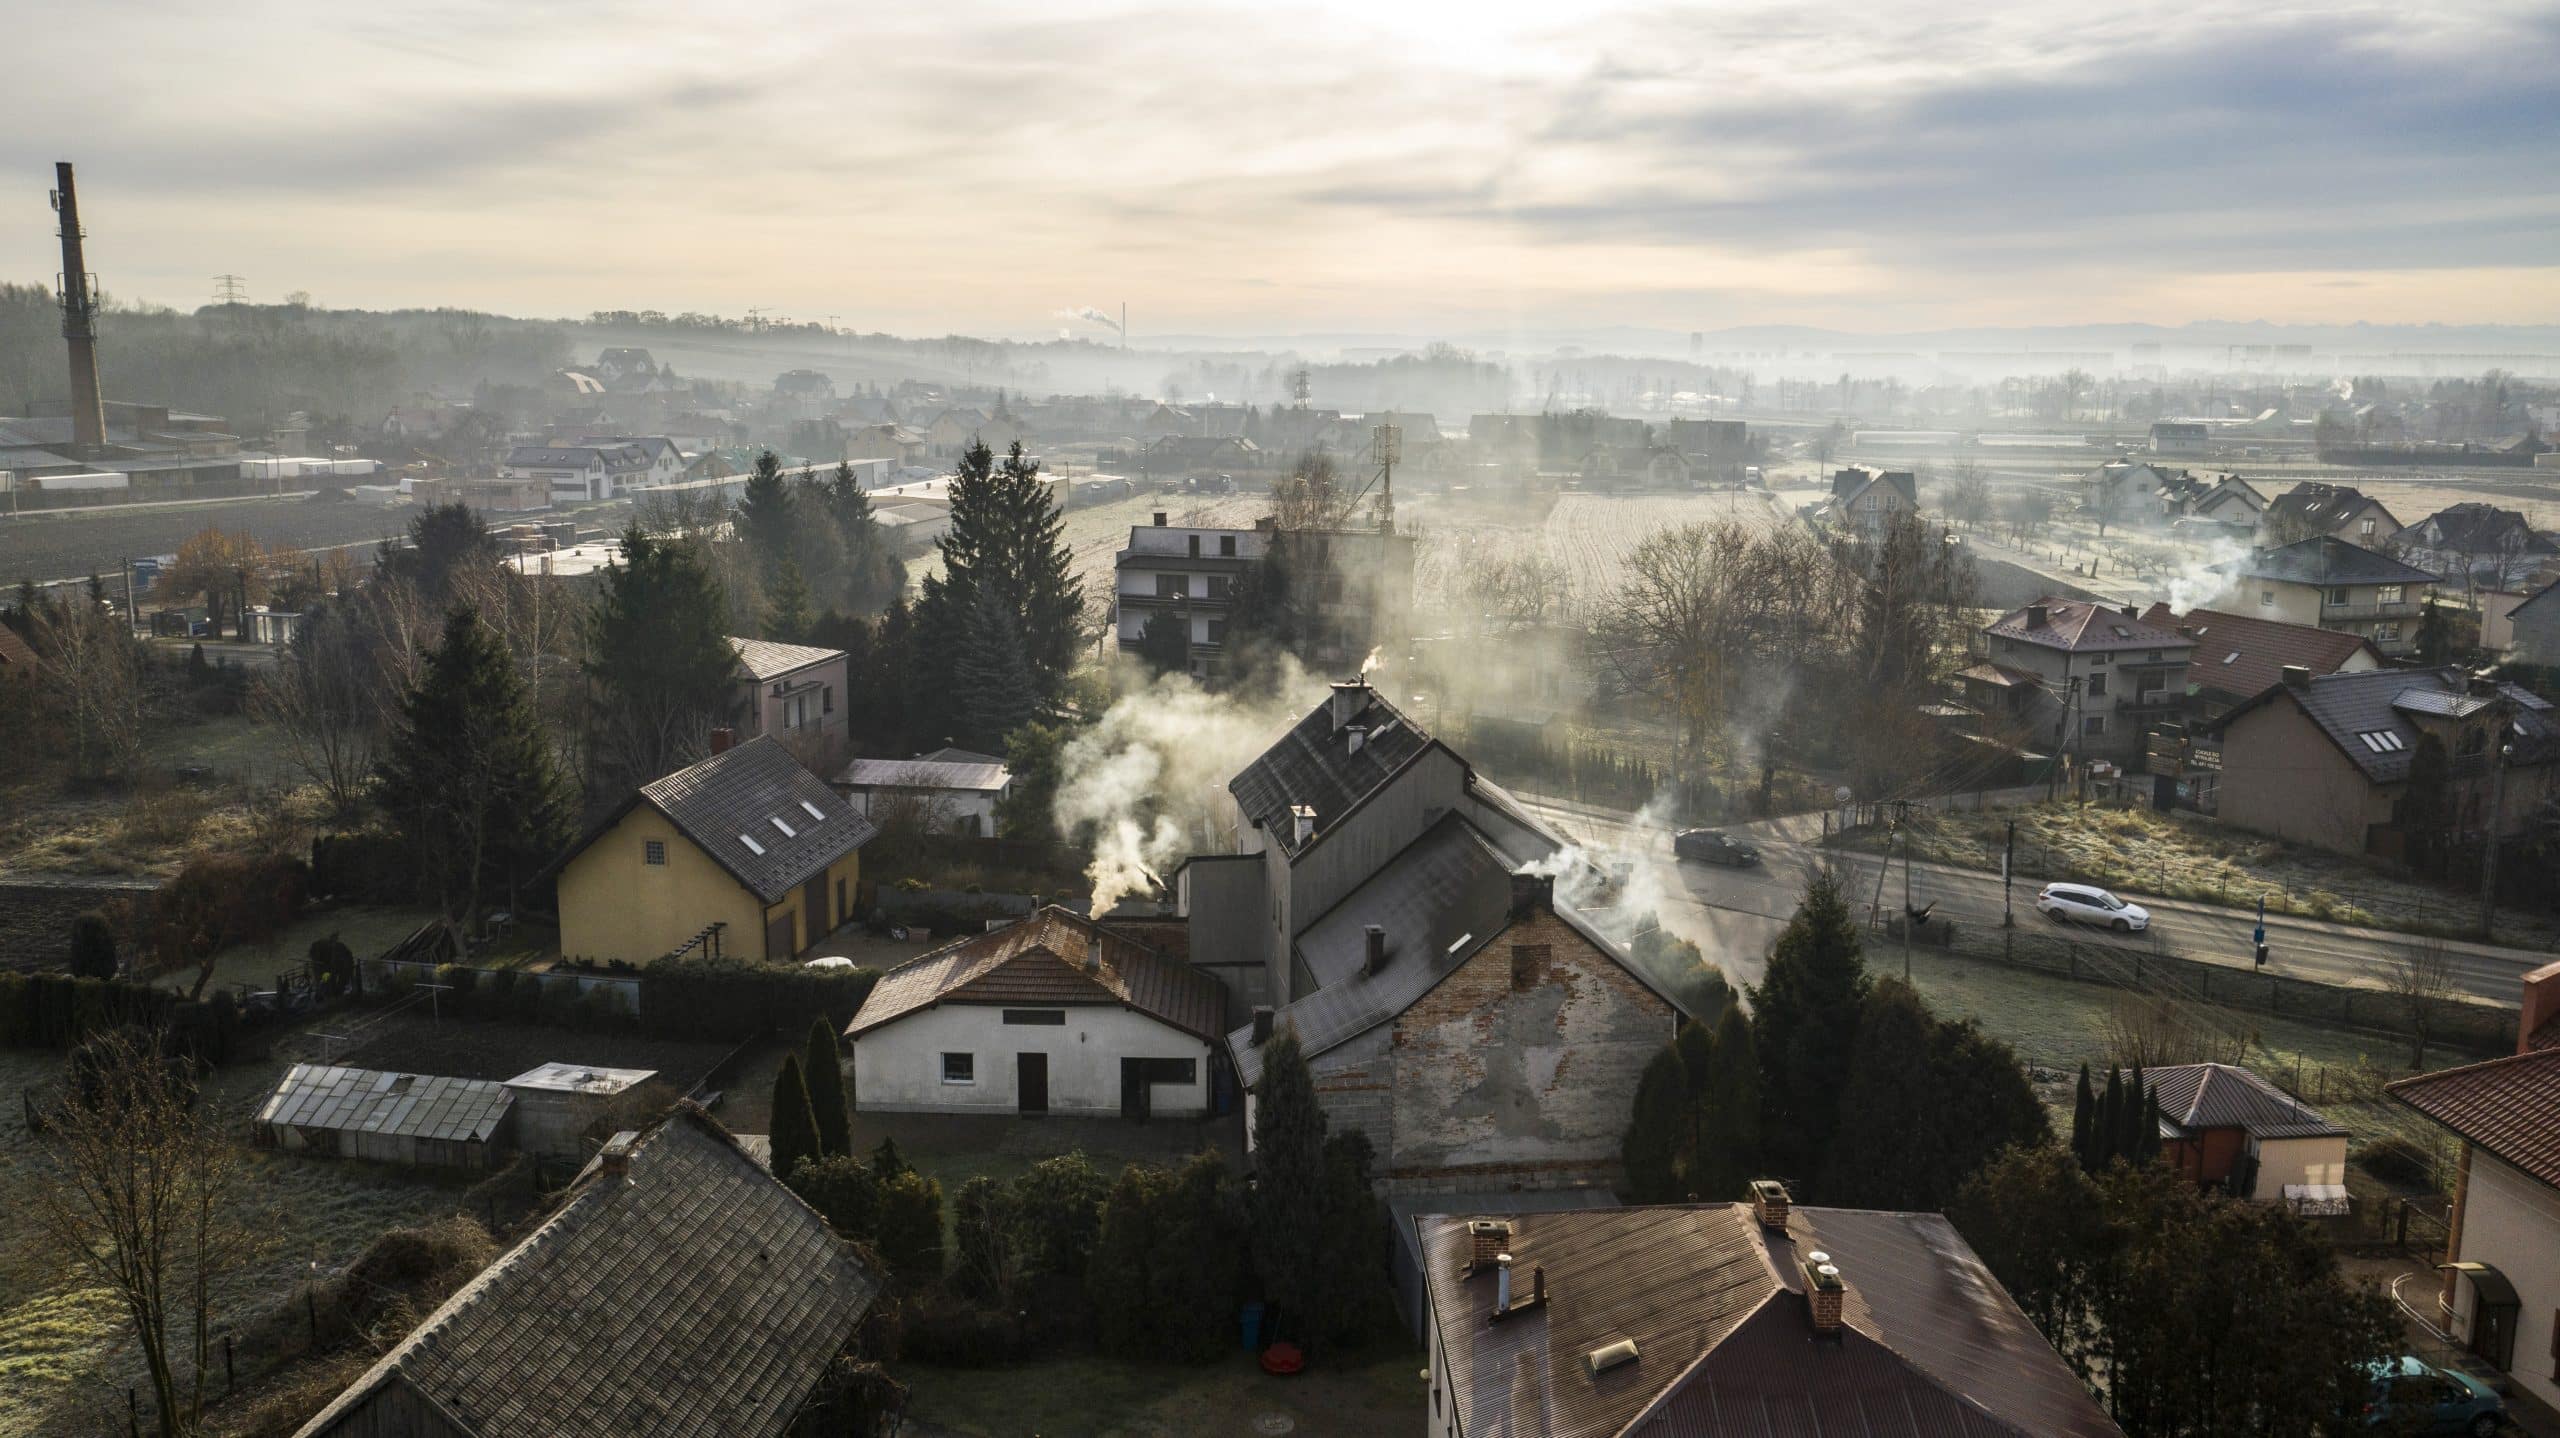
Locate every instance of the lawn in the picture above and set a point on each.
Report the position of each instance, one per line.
(368, 931)
(1374, 1392)
(205, 783)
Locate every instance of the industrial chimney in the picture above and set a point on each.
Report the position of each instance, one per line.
(79, 293)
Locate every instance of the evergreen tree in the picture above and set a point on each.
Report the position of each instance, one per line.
(1805, 1025)
(1289, 1183)
(2427, 806)
(1126, 1319)
(910, 1239)
(1882, 1147)
(1728, 1155)
(823, 1072)
(1195, 1273)
(446, 542)
(844, 1191)
(1034, 754)
(1165, 643)
(468, 776)
(1060, 1202)
(795, 1124)
(1006, 540)
(765, 517)
(987, 1258)
(993, 679)
(1696, 1044)
(1351, 1282)
(93, 946)
(873, 574)
(2084, 1117)
(659, 659)
(786, 607)
(1652, 1146)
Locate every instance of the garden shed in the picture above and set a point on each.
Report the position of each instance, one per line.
(423, 1119)
(556, 1103)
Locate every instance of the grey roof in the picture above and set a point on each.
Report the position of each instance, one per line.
(763, 659)
(2349, 707)
(1715, 1306)
(2327, 559)
(948, 755)
(695, 1296)
(556, 1077)
(1315, 765)
(924, 774)
(375, 1101)
(2202, 1096)
(766, 820)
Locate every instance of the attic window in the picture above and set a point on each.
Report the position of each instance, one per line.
(1610, 1355)
(814, 811)
(752, 846)
(2382, 741)
(2121, 631)
(2234, 654)
(787, 831)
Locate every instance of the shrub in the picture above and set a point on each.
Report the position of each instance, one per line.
(365, 868)
(93, 946)
(219, 900)
(1060, 1206)
(950, 1330)
(2398, 1161)
(910, 1237)
(986, 1234)
(844, 1190)
(1127, 1319)
(333, 964)
(57, 1011)
(735, 999)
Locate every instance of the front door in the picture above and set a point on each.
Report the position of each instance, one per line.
(1031, 1082)
(777, 937)
(813, 901)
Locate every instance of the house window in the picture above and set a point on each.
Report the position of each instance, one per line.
(1218, 586)
(1173, 586)
(2097, 686)
(1227, 545)
(2094, 725)
(959, 1068)
(1528, 961)
(1217, 631)
(2387, 594)
(2366, 528)
(1195, 546)
(654, 851)
(2386, 633)
(2338, 596)
(2155, 656)
(1173, 1070)
(829, 705)
(2099, 657)
(2266, 596)
(1051, 1017)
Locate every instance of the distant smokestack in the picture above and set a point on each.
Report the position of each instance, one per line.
(79, 323)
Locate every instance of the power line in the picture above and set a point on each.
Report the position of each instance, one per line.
(229, 289)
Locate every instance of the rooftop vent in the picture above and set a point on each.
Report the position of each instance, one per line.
(2297, 676)
(1487, 1239)
(1302, 825)
(1609, 1355)
(1506, 1303)
(1374, 939)
(1769, 1203)
(615, 1157)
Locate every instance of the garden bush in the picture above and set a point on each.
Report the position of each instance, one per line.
(732, 1000)
(219, 900)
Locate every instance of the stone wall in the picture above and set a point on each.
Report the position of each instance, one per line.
(36, 911)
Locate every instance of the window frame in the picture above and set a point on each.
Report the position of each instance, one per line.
(653, 853)
(968, 1067)
(1034, 1018)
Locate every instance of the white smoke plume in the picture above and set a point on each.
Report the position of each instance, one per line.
(2203, 579)
(1090, 315)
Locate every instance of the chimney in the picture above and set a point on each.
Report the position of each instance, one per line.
(79, 323)
(1824, 1292)
(1376, 937)
(2126, 611)
(1350, 696)
(1261, 1025)
(2297, 676)
(723, 739)
(2541, 1004)
(614, 1159)
(2481, 686)
(1487, 1240)
(1160, 518)
(1769, 1203)
(2035, 616)
(1302, 825)
(1532, 894)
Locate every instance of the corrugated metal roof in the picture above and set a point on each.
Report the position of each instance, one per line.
(1055, 957)
(2509, 1107)
(763, 659)
(402, 1105)
(1316, 765)
(923, 774)
(2202, 1096)
(729, 805)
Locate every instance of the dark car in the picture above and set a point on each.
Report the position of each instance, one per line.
(1714, 846)
(2411, 1396)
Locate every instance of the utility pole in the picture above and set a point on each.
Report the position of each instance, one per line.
(2008, 864)
(79, 295)
(1908, 922)
(2497, 804)
(130, 613)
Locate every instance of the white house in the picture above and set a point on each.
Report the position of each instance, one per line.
(1055, 1014)
(578, 474)
(955, 796)
(666, 458)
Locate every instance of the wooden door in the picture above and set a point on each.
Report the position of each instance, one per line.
(813, 902)
(777, 937)
(1031, 1083)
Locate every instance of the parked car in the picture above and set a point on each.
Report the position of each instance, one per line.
(1714, 846)
(2413, 1396)
(2087, 904)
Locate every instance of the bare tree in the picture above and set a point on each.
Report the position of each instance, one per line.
(1968, 497)
(1314, 495)
(322, 696)
(2420, 977)
(96, 666)
(137, 1193)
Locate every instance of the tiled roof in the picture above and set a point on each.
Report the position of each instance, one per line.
(2202, 1096)
(2324, 505)
(2368, 715)
(2079, 626)
(2242, 654)
(2477, 528)
(2000, 675)
(767, 820)
(1055, 957)
(15, 652)
(1315, 764)
(1715, 1307)
(763, 659)
(2327, 559)
(373, 1101)
(924, 774)
(2509, 1107)
(694, 1296)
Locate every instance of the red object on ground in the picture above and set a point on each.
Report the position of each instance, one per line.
(1283, 1358)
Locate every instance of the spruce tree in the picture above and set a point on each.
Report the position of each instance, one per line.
(659, 661)
(1652, 1146)
(873, 575)
(823, 1072)
(1882, 1148)
(2084, 1117)
(794, 1131)
(1165, 643)
(1005, 539)
(786, 605)
(1805, 1024)
(1729, 1139)
(1288, 1194)
(1195, 1271)
(1126, 1318)
(1351, 1281)
(993, 679)
(2110, 1124)
(1695, 1042)
(765, 514)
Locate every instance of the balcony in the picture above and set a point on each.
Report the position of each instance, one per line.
(2367, 609)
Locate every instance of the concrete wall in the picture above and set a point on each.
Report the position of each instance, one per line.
(2297, 1160)
(2512, 1223)
(818, 696)
(898, 1068)
(1224, 904)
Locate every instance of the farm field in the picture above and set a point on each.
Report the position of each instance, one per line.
(151, 827)
(1587, 537)
(46, 547)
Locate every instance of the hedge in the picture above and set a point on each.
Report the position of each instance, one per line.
(58, 1011)
(364, 868)
(732, 1000)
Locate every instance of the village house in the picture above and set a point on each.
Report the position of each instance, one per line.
(2181, 439)
(954, 430)
(2215, 497)
(2500, 1293)
(1196, 574)
(2086, 679)
(2475, 546)
(746, 852)
(1732, 1318)
(1057, 1013)
(2312, 509)
(2128, 491)
(678, 1291)
(2533, 626)
(2336, 585)
(1177, 455)
(895, 443)
(2237, 657)
(2324, 759)
(579, 474)
(946, 796)
(1355, 585)
(1653, 466)
(789, 691)
(2225, 1127)
(667, 462)
(1866, 501)
(18, 664)
(413, 1119)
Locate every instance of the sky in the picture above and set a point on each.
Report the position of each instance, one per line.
(1323, 166)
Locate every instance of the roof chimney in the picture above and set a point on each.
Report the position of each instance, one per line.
(1532, 894)
(2035, 616)
(1375, 937)
(1302, 825)
(614, 1159)
(2297, 676)
(1487, 1239)
(2125, 610)
(2541, 1004)
(1261, 1025)
(1824, 1292)
(1350, 696)
(2481, 686)
(1769, 1203)
(723, 739)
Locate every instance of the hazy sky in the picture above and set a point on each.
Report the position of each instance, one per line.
(1320, 165)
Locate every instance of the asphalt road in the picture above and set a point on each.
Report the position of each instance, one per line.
(1736, 913)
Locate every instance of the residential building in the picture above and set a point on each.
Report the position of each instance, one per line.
(2088, 680)
(1717, 448)
(947, 797)
(1193, 573)
(18, 664)
(2126, 491)
(1732, 1319)
(580, 474)
(2533, 624)
(803, 394)
(2311, 510)
(1866, 501)
(789, 691)
(2336, 585)
(2500, 1296)
(1057, 1013)
(895, 443)
(1354, 587)
(745, 852)
(2209, 496)
(1183, 454)
(414, 1119)
(2239, 656)
(2225, 1127)
(678, 1290)
(667, 462)
(954, 430)
(2181, 439)
(2475, 545)
(1654, 466)
(2324, 760)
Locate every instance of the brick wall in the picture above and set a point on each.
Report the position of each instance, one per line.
(36, 913)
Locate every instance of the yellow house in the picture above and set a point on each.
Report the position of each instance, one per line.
(747, 840)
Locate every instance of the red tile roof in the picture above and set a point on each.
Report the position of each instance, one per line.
(2509, 1107)
(1055, 957)
(2080, 626)
(15, 655)
(2243, 654)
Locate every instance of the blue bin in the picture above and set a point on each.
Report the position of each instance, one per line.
(1252, 1326)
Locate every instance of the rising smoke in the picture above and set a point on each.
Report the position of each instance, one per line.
(2204, 578)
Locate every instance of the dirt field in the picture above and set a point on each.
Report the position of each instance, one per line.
(1586, 536)
(195, 790)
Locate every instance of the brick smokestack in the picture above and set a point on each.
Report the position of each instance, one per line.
(723, 739)
(79, 323)
(1824, 1293)
(2541, 1004)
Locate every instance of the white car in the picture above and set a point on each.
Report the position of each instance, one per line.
(2087, 904)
